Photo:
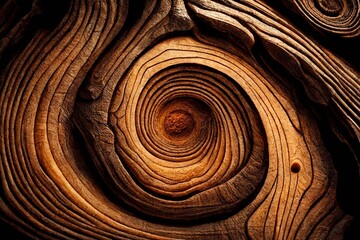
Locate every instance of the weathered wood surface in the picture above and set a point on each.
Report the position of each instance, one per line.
(179, 119)
(338, 17)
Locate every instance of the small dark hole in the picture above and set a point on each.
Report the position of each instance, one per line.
(295, 167)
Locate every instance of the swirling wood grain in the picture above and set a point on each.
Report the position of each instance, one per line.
(326, 81)
(184, 133)
(339, 17)
(115, 127)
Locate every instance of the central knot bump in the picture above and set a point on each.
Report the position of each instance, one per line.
(179, 123)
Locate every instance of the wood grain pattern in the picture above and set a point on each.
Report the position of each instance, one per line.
(173, 120)
(338, 17)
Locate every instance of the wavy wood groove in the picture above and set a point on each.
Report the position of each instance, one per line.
(339, 17)
(176, 119)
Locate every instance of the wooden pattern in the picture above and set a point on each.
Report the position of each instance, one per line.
(177, 119)
(338, 17)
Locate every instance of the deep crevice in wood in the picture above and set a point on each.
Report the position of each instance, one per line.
(280, 157)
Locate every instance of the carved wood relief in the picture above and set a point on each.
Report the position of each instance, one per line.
(172, 119)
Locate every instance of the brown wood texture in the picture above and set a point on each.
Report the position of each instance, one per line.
(179, 119)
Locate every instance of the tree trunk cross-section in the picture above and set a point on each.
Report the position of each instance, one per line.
(179, 119)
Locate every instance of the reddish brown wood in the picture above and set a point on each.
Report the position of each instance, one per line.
(177, 119)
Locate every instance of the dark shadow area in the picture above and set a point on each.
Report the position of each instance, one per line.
(10, 233)
(348, 184)
(27, 18)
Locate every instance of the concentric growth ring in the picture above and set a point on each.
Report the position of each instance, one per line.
(188, 127)
(335, 16)
(184, 132)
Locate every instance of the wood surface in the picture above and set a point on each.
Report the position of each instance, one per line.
(172, 119)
